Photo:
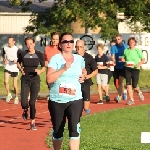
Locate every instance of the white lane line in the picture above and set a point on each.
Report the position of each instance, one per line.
(4, 109)
(20, 107)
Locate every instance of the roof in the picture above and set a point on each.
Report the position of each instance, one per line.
(34, 7)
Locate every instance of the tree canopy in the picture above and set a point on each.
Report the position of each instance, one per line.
(91, 13)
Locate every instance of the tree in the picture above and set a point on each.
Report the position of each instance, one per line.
(91, 13)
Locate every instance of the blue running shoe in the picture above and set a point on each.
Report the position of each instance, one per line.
(87, 111)
(124, 96)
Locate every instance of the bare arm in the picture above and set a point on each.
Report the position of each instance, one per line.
(141, 62)
(94, 73)
(52, 75)
(39, 71)
(113, 58)
(102, 67)
(46, 61)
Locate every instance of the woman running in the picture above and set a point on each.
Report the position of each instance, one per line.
(133, 58)
(64, 76)
(28, 63)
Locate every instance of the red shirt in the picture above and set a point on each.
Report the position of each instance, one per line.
(50, 51)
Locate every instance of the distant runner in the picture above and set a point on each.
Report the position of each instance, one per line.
(117, 52)
(9, 55)
(133, 58)
(91, 69)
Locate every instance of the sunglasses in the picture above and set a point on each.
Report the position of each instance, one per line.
(66, 42)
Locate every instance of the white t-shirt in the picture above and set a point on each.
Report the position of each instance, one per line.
(10, 55)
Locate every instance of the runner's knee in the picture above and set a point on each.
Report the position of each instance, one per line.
(6, 82)
(57, 134)
(74, 132)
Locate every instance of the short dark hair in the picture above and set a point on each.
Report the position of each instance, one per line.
(100, 45)
(29, 38)
(63, 34)
(10, 37)
(54, 33)
(131, 38)
(119, 35)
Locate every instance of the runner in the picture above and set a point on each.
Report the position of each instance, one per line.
(117, 52)
(133, 58)
(28, 62)
(102, 76)
(91, 69)
(64, 76)
(52, 49)
(9, 55)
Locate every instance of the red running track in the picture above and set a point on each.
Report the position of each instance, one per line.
(15, 133)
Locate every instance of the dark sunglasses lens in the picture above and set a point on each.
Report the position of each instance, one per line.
(65, 41)
(71, 41)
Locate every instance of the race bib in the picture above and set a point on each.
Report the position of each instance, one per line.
(67, 89)
(129, 63)
(100, 63)
(120, 58)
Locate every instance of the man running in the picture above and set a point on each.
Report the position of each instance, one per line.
(9, 55)
(52, 49)
(91, 68)
(117, 52)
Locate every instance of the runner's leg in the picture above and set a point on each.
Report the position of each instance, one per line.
(86, 97)
(129, 86)
(6, 83)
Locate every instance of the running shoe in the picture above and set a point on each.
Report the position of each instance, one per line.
(87, 111)
(107, 98)
(33, 127)
(131, 102)
(124, 96)
(8, 98)
(141, 96)
(16, 100)
(118, 99)
(25, 115)
(104, 97)
(100, 102)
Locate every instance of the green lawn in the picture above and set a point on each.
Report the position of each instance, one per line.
(43, 88)
(118, 129)
(143, 83)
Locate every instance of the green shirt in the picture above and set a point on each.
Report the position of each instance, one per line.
(133, 57)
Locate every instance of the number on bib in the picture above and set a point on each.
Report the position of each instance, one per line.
(67, 89)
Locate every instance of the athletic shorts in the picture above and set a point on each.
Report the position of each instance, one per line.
(102, 79)
(12, 74)
(132, 76)
(59, 112)
(85, 88)
(119, 72)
